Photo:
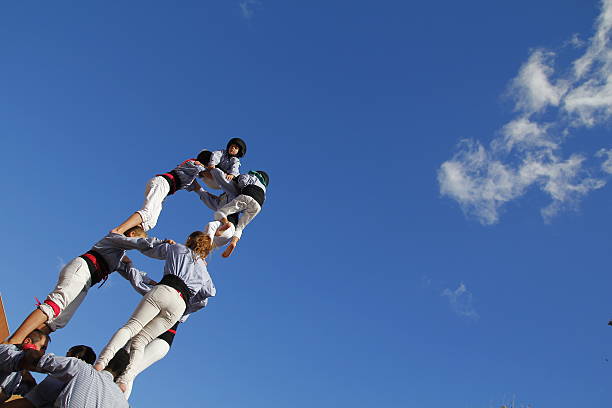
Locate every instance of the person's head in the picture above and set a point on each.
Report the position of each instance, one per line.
(262, 176)
(200, 243)
(82, 352)
(204, 156)
(236, 147)
(119, 363)
(36, 340)
(135, 232)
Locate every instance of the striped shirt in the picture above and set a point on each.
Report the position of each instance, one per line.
(182, 262)
(222, 160)
(113, 247)
(248, 179)
(10, 356)
(187, 172)
(86, 387)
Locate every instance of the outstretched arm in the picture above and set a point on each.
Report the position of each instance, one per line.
(138, 279)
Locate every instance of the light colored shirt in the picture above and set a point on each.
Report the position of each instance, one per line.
(182, 262)
(86, 387)
(247, 179)
(222, 160)
(10, 356)
(187, 173)
(113, 247)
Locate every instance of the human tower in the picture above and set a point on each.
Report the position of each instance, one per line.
(183, 289)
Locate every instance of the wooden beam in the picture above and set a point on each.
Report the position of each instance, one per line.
(4, 328)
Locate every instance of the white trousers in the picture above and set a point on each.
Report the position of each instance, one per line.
(157, 189)
(71, 288)
(211, 228)
(153, 352)
(244, 203)
(158, 310)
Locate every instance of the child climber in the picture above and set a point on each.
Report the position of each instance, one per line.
(228, 160)
(185, 275)
(249, 202)
(78, 276)
(158, 188)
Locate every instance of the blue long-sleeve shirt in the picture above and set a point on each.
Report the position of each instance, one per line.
(187, 172)
(113, 247)
(222, 160)
(182, 262)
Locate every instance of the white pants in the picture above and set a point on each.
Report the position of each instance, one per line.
(158, 310)
(211, 228)
(153, 352)
(157, 189)
(71, 288)
(244, 203)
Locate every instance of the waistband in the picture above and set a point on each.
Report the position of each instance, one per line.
(256, 192)
(178, 284)
(98, 268)
(173, 181)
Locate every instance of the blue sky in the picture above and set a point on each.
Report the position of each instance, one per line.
(394, 264)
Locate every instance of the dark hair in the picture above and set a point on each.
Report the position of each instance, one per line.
(241, 146)
(137, 228)
(82, 352)
(204, 156)
(119, 363)
(36, 335)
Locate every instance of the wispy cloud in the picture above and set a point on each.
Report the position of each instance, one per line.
(461, 301)
(248, 7)
(527, 151)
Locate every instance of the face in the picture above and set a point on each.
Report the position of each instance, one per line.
(40, 344)
(137, 234)
(233, 149)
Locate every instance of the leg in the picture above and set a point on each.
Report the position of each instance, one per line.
(74, 278)
(146, 310)
(153, 352)
(172, 308)
(230, 188)
(157, 189)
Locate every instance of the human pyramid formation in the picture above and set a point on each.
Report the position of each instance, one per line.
(148, 334)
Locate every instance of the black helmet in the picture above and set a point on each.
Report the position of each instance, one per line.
(238, 142)
(262, 176)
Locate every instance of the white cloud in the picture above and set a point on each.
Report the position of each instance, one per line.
(606, 165)
(461, 301)
(533, 88)
(247, 8)
(527, 151)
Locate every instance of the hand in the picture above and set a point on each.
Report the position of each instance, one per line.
(229, 177)
(169, 241)
(210, 166)
(126, 259)
(196, 185)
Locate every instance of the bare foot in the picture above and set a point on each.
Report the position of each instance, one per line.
(228, 251)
